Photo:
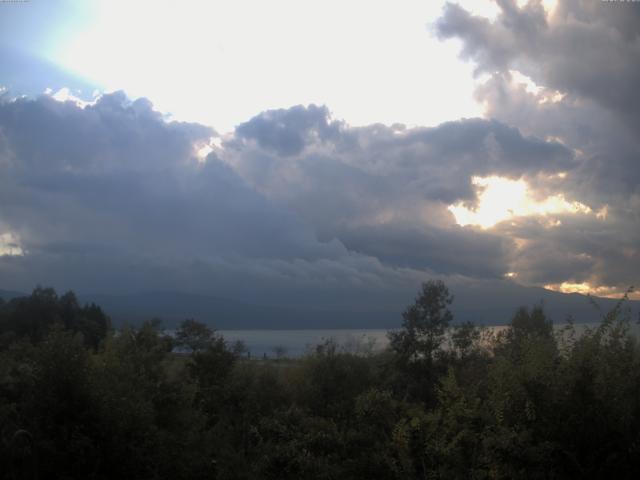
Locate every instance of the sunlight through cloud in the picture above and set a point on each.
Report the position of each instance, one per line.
(585, 288)
(502, 199)
(10, 245)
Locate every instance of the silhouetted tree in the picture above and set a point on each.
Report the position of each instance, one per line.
(417, 347)
(531, 402)
(33, 316)
(424, 323)
(194, 336)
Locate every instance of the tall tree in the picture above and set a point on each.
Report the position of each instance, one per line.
(424, 323)
(194, 336)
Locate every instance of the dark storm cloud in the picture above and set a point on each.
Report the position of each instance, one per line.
(47, 136)
(607, 150)
(585, 48)
(286, 132)
(443, 250)
(373, 162)
(600, 252)
(384, 191)
(298, 207)
(112, 197)
(115, 177)
(584, 58)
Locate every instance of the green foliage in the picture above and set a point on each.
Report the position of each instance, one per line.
(32, 317)
(465, 339)
(418, 347)
(193, 335)
(330, 381)
(424, 323)
(210, 370)
(530, 402)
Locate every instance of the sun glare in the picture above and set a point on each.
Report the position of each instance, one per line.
(501, 199)
(220, 63)
(10, 245)
(549, 5)
(585, 288)
(201, 150)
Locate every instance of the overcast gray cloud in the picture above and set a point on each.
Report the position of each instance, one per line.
(377, 173)
(294, 200)
(587, 53)
(384, 191)
(586, 48)
(300, 206)
(584, 60)
(115, 181)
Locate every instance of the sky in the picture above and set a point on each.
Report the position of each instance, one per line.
(325, 153)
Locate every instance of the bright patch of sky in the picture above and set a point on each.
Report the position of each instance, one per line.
(10, 244)
(585, 288)
(502, 199)
(220, 63)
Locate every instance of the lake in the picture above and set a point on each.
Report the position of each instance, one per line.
(295, 343)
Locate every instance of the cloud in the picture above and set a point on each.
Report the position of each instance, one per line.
(298, 207)
(287, 132)
(452, 250)
(110, 196)
(115, 181)
(582, 59)
(588, 49)
(384, 191)
(445, 157)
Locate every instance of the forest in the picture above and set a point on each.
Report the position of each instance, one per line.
(79, 399)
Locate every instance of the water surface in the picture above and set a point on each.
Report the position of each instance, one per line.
(296, 343)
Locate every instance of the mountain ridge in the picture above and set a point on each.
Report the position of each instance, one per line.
(492, 304)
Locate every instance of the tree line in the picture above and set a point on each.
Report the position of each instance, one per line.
(80, 400)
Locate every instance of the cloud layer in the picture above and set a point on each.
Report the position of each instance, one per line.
(582, 57)
(112, 197)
